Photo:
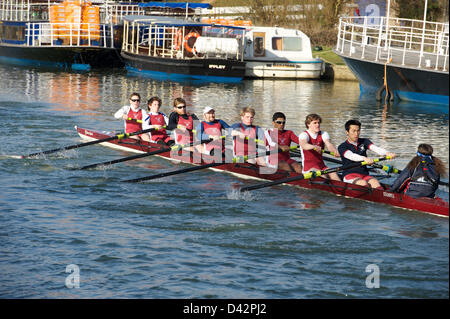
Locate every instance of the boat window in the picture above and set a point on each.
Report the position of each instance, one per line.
(287, 43)
(12, 32)
(258, 47)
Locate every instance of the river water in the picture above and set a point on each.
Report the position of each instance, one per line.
(191, 236)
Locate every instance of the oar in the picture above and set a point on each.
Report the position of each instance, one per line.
(309, 175)
(134, 120)
(236, 159)
(133, 157)
(115, 137)
(329, 159)
(386, 168)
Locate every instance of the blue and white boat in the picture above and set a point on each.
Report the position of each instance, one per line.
(178, 49)
(67, 34)
(274, 52)
(408, 59)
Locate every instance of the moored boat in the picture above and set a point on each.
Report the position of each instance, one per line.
(407, 59)
(275, 52)
(68, 35)
(427, 205)
(178, 49)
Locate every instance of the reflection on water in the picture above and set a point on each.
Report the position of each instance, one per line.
(96, 95)
(196, 235)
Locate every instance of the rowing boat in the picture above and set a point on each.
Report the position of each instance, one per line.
(426, 205)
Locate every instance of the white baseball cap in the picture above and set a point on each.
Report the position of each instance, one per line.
(207, 109)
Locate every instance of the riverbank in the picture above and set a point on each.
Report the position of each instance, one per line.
(335, 68)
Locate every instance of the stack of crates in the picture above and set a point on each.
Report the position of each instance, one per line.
(75, 20)
(230, 22)
(91, 24)
(72, 10)
(57, 20)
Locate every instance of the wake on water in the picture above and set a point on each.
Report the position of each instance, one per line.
(236, 194)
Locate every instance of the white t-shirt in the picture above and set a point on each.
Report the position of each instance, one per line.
(125, 109)
(304, 136)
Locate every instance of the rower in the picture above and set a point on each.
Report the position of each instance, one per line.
(211, 128)
(181, 122)
(354, 149)
(282, 139)
(158, 121)
(422, 175)
(132, 115)
(244, 135)
(312, 143)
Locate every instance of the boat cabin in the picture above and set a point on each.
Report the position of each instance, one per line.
(279, 52)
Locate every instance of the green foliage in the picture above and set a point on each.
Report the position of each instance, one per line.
(414, 9)
(329, 56)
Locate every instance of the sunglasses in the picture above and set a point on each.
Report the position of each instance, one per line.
(280, 122)
(135, 100)
(181, 107)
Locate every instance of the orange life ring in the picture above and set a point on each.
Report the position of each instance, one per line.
(178, 39)
(186, 39)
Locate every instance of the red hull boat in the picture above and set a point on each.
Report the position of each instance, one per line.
(426, 205)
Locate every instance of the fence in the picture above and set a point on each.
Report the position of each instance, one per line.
(404, 42)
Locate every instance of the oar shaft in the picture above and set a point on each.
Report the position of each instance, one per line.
(66, 148)
(115, 137)
(165, 174)
(199, 167)
(335, 160)
(386, 168)
(306, 175)
(124, 159)
(129, 158)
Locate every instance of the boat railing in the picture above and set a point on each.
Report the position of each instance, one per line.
(68, 34)
(396, 41)
(178, 42)
(15, 10)
(115, 12)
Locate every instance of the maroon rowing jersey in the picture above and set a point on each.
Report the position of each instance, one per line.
(133, 126)
(185, 137)
(282, 138)
(242, 147)
(311, 158)
(213, 129)
(158, 135)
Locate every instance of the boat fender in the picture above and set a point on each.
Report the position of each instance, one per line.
(178, 39)
(190, 35)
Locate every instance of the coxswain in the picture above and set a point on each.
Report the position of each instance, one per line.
(422, 175)
(282, 139)
(312, 142)
(246, 135)
(354, 149)
(158, 121)
(181, 122)
(133, 116)
(211, 128)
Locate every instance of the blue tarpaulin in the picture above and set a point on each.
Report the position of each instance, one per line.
(176, 5)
